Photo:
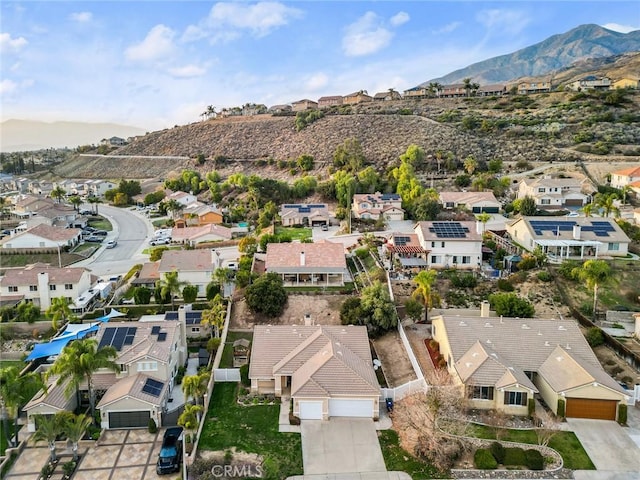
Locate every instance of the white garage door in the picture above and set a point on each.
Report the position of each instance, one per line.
(310, 410)
(350, 408)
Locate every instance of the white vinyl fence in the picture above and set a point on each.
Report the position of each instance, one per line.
(409, 388)
(226, 375)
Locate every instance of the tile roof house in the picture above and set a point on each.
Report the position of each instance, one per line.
(525, 88)
(198, 213)
(372, 206)
(204, 233)
(591, 82)
(307, 264)
(327, 370)
(418, 92)
(40, 283)
(553, 193)
(302, 105)
(493, 90)
(183, 198)
(452, 91)
(43, 237)
(626, 176)
(329, 101)
(49, 401)
(387, 96)
(294, 214)
(405, 248)
(627, 83)
(148, 275)
(192, 319)
(570, 237)
(451, 244)
(193, 266)
(475, 202)
(503, 362)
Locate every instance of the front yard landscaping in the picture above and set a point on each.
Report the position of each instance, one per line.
(252, 429)
(296, 233)
(398, 459)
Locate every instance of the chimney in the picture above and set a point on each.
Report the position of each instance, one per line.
(479, 228)
(302, 260)
(484, 309)
(43, 290)
(307, 320)
(576, 232)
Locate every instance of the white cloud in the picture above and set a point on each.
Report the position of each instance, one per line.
(399, 18)
(508, 21)
(616, 27)
(365, 36)
(11, 45)
(187, 71)
(448, 28)
(81, 17)
(226, 20)
(8, 86)
(317, 81)
(157, 45)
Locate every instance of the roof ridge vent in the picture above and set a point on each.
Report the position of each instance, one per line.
(526, 327)
(547, 344)
(539, 332)
(568, 347)
(488, 341)
(487, 324)
(562, 327)
(462, 323)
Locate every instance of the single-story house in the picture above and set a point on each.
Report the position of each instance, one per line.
(203, 233)
(326, 370)
(329, 101)
(357, 97)
(148, 275)
(307, 264)
(571, 237)
(503, 362)
(313, 214)
(475, 202)
(43, 236)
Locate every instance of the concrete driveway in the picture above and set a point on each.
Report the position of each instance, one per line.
(340, 445)
(610, 448)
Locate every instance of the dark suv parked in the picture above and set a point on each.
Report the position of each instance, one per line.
(171, 451)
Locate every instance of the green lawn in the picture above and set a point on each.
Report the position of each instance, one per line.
(51, 258)
(227, 355)
(12, 363)
(251, 429)
(398, 459)
(100, 223)
(296, 233)
(565, 443)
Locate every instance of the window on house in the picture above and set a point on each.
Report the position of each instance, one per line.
(123, 367)
(13, 288)
(68, 286)
(433, 244)
(481, 393)
(435, 259)
(442, 244)
(541, 190)
(195, 329)
(147, 366)
(455, 259)
(69, 300)
(33, 288)
(52, 287)
(545, 201)
(614, 247)
(515, 398)
(466, 259)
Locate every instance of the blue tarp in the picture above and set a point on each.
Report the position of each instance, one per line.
(55, 346)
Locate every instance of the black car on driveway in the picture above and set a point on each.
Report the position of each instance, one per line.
(170, 456)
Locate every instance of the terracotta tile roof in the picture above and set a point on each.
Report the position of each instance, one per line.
(188, 260)
(55, 234)
(29, 275)
(194, 233)
(628, 172)
(132, 387)
(149, 273)
(288, 257)
(322, 360)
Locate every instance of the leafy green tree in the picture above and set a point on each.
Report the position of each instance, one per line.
(78, 361)
(16, 390)
(349, 155)
(593, 273)
(174, 207)
(526, 206)
(483, 218)
(74, 427)
(594, 337)
(156, 253)
(59, 312)
(94, 201)
(413, 308)
(426, 208)
(130, 188)
(190, 417)
(248, 245)
(414, 155)
(154, 197)
(425, 291)
(121, 199)
(495, 165)
(142, 295)
(305, 162)
(368, 180)
(213, 289)
(462, 180)
(267, 295)
(378, 311)
(351, 311)
(511, 305)
(607, 203)
(27, 312)
(268, 214)
(48, 428)
(345, 184)
(408, 185)
(171, 285)
(189, 293)
(215, 315)
(195, 386)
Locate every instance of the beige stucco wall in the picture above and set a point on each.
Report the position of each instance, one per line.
(547, 393)
(162, 373)
(48, 410)
(599, 392)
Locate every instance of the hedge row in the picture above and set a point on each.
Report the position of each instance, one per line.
(496, 454)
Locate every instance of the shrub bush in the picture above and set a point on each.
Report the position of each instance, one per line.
(466, 280)
(544, 276)
(153, 428)
(497, 450)
(533, 459)
(561, 405)
(514, 456)
(483, 460)
(505, 286)
(68, 468)
(244, 375)
(594, 336)
(531, 407)
(622, 414)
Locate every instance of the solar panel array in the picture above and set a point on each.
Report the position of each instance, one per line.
(152, 387)
(155, 330)
(116, 337)
(162, 336)
(400, 241)
(194, 318)
(599, 228)
(449, 230)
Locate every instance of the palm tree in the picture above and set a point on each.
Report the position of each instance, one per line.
(626, 190)
(48, 427)
(78, 361)
(15, 391)
(195, 386)
(58, 193)
(424, 289)
(94, 201)
(59, 311)
(76, 201)
(171, 285)
(593, 273)
(215, 316)
(588, 209)
(174, 207)
(607, 204)
(190, 418)
(467, 85)
(470, 164)
(483, 218)
(74, 427)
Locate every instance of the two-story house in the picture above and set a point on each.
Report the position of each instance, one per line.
(525, 88)
(330, 101)
(193, 266)
(40, 283)
(416, 93)
(372, 206)
(357, 97)
(626, 176)
(591, 82)
(451, 244)
(455, 90)
(183, 198)
(553, 193)
(97, 188)
(304, 104)
(387, 96)
(312, 214)
(627, 83)
(198, 213)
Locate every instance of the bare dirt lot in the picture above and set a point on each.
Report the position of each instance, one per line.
(323, 309)
(395, 361)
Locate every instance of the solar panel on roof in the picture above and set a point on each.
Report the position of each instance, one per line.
(153, 387)
(449, 230)
(131, 334)
(107, 337)
(162, 336)
(171, 316)
(118, 339)
(155, 330)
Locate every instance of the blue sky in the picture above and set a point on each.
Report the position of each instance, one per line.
(158, 64)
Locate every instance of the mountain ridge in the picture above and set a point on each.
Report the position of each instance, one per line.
(551, 54)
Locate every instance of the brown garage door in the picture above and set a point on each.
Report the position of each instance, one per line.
(573, 202)
(591, 408)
